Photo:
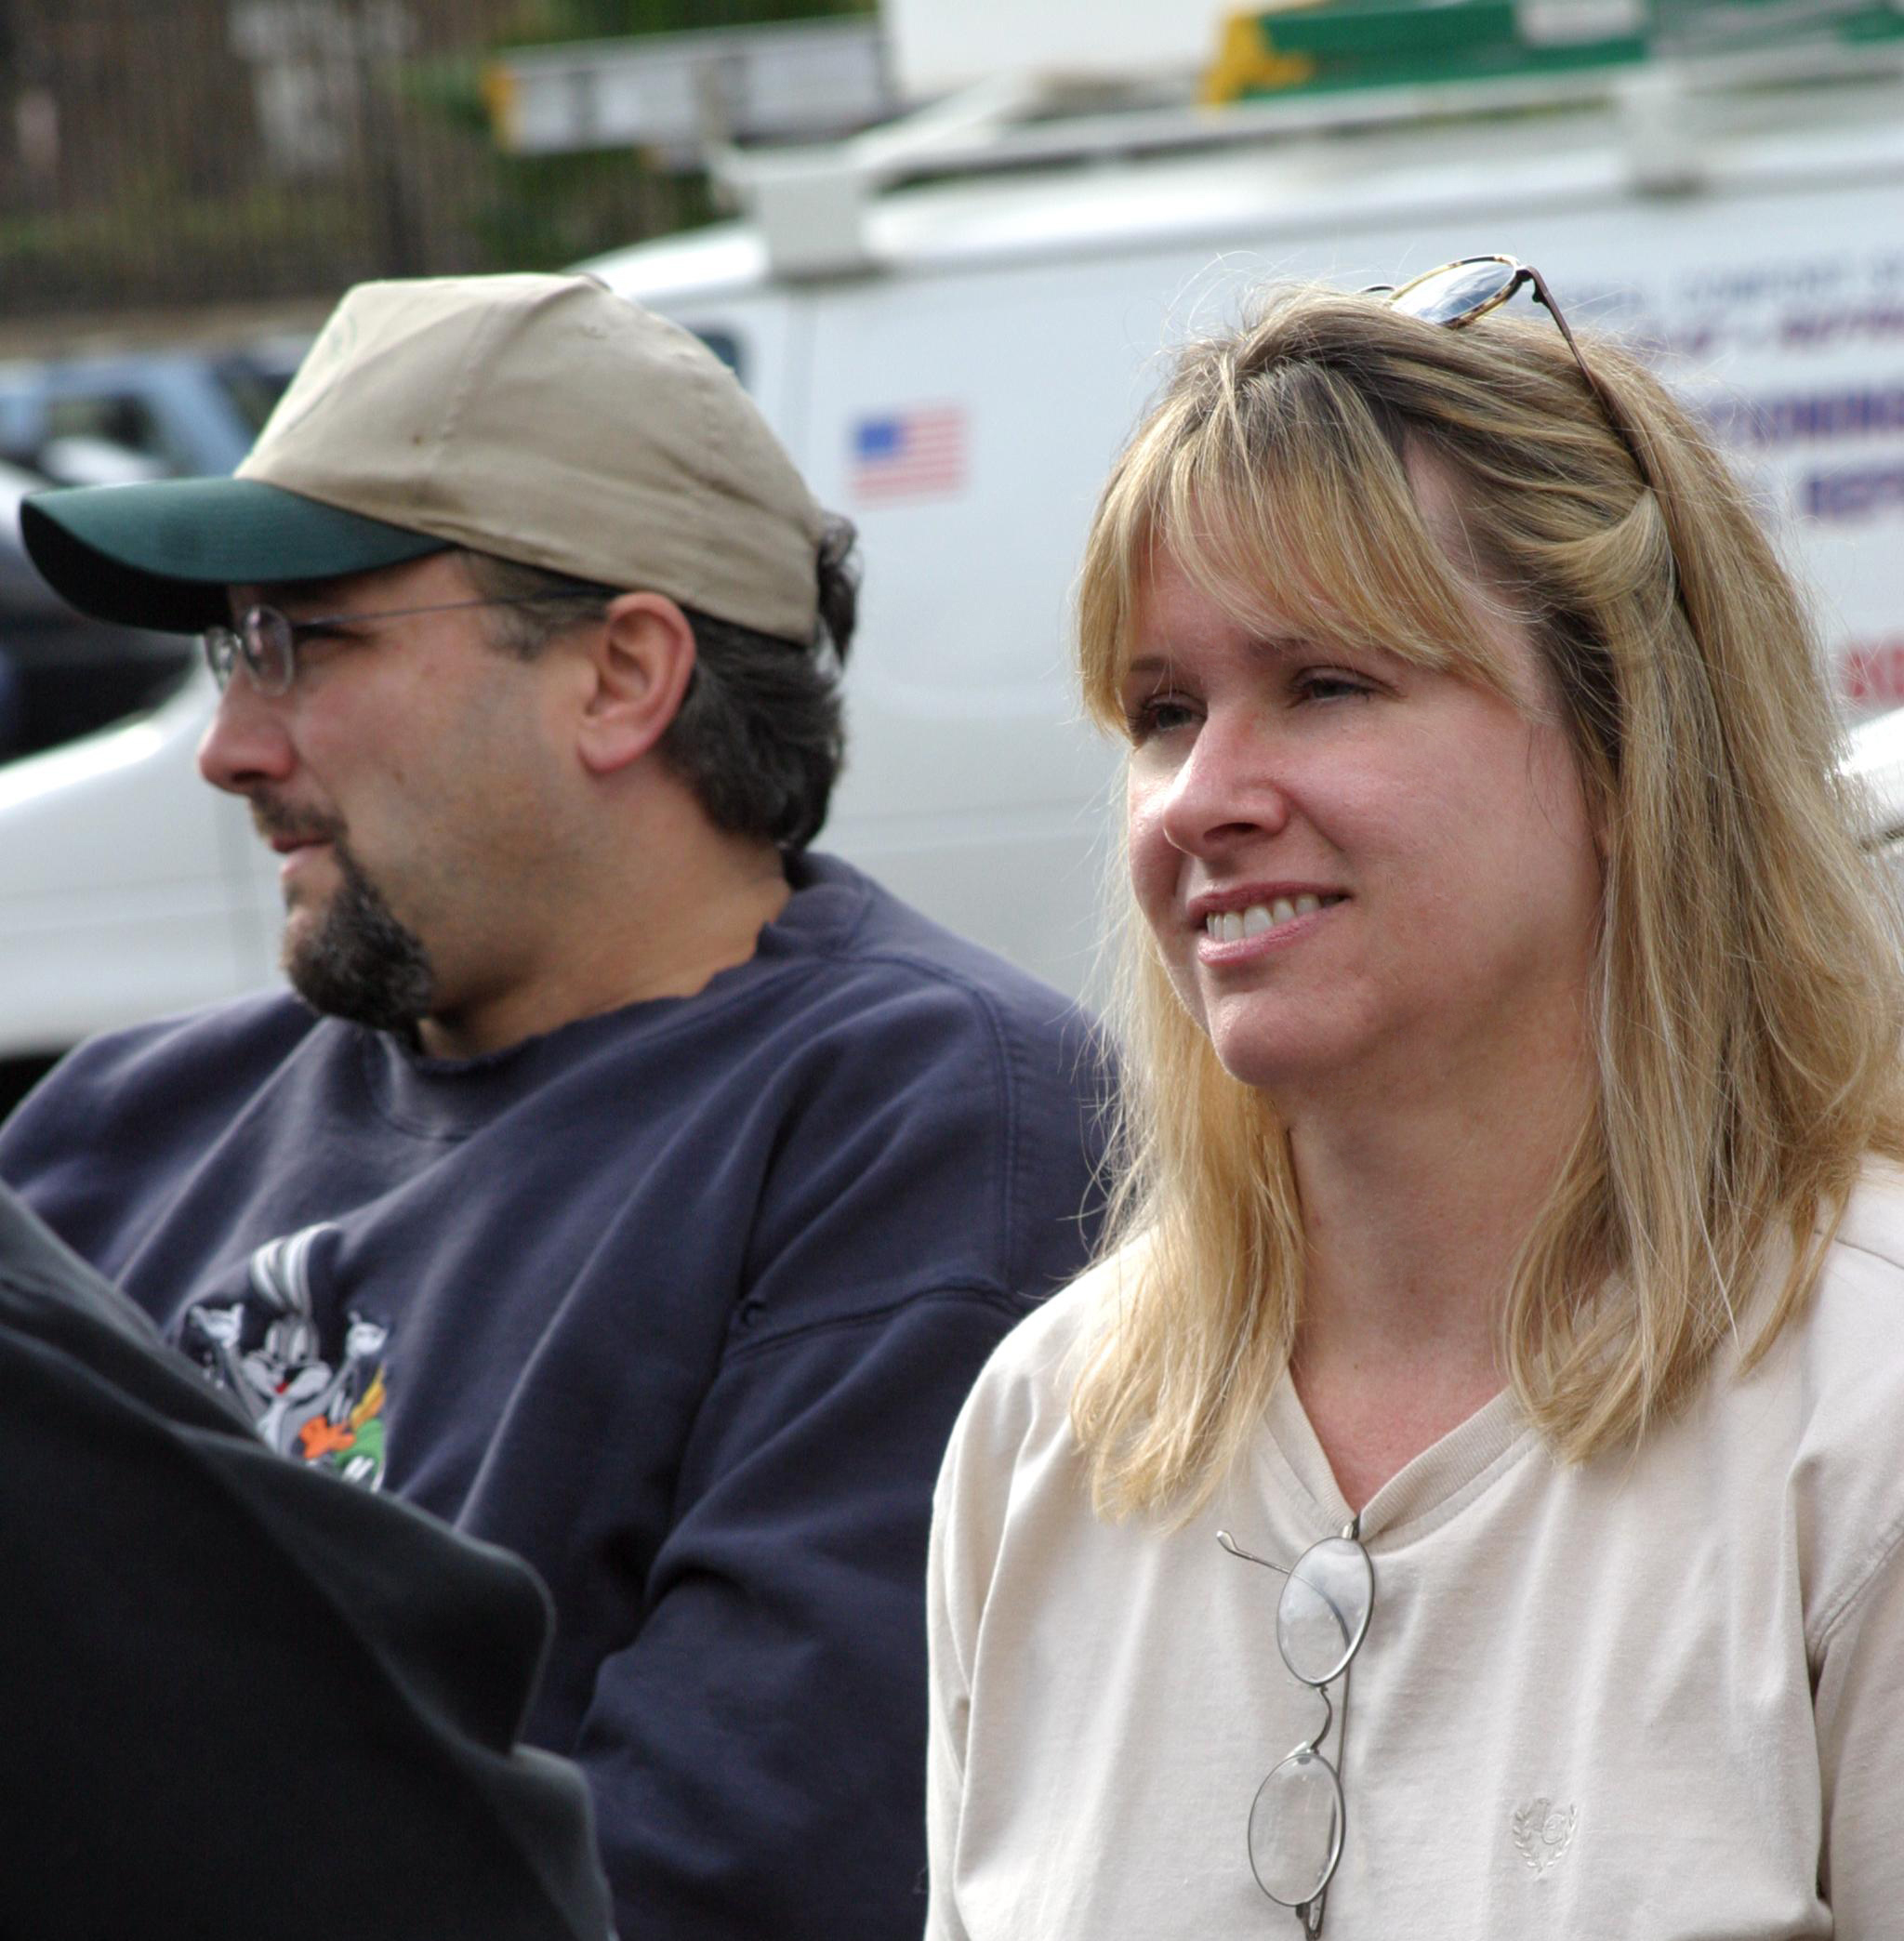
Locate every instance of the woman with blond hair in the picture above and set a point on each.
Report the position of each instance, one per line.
(1504, 1314)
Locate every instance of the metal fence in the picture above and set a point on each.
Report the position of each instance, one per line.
(170, 154)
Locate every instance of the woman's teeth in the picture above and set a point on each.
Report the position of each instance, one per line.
(1233, 925)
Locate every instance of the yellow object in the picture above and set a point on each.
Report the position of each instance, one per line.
(498, 86)
(372, 1403)
(1247, 63)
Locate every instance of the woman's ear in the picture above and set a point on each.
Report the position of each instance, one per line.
(640, 661)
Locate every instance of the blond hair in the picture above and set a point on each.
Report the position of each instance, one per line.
(1749, 1000)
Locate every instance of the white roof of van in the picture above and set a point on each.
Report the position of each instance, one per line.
(1106, 203)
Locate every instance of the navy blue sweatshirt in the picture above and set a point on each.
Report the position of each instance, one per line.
(678, 1303)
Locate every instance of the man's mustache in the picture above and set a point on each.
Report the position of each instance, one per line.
(271, 818)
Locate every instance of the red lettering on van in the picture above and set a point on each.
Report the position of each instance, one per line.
(1873, 671)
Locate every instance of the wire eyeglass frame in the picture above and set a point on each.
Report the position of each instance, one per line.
(1353, 1628)
(266, 642)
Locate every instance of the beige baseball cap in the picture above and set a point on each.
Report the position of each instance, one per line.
(542, 418)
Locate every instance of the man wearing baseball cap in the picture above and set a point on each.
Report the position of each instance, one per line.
(630, 1186)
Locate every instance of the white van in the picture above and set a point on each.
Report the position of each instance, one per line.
(954, 357)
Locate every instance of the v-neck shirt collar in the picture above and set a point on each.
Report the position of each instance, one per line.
(1422, 1494)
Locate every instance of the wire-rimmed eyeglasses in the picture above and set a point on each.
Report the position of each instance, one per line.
(267, 642)
(1457, 293)
(1297, 1817)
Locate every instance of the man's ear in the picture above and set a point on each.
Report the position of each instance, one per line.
(640, 661)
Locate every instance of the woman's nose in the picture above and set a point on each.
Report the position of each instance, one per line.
(1229, 787)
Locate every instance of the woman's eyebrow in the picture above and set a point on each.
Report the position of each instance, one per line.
(1272, 647)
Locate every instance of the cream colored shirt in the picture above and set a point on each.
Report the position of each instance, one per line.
(1661, 1695)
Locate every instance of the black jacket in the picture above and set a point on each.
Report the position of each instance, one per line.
(239, 1697)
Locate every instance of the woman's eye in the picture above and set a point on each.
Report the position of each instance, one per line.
(1159, 714)
(1330, 684)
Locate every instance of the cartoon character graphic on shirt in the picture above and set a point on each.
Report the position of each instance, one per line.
(266, 1346)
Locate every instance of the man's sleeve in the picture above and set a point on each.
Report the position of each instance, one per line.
(757, 1753)
(240, 1697)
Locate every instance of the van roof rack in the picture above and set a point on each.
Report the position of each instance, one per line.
(811, 203)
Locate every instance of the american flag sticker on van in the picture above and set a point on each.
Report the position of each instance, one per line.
(901, 455)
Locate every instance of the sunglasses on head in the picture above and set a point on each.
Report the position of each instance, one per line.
(1455, 295)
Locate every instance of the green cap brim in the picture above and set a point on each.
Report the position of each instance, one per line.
(160, 554)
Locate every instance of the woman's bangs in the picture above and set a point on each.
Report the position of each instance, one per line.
(1285, 502)
(1116, 564)
(1305, 525)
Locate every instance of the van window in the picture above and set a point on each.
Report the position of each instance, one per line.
(724, 345)
(255, 384)
(114, 419)
(62, 676)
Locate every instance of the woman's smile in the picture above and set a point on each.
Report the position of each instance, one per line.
(1240, 925)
